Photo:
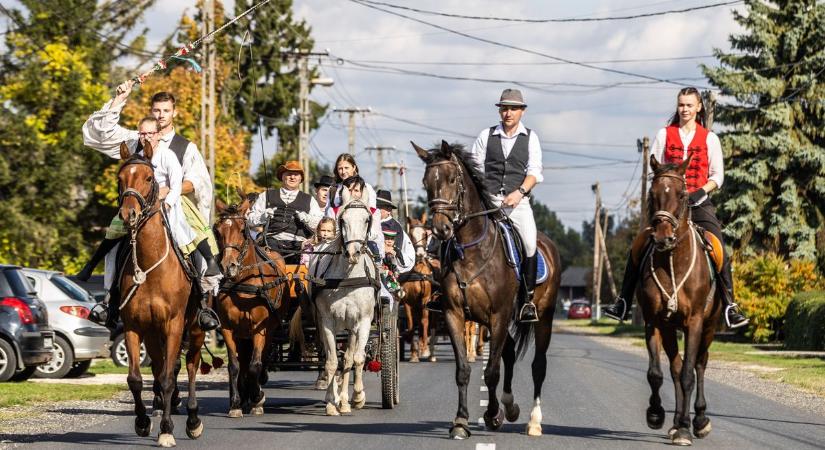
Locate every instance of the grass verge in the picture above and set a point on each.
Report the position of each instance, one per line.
(27, 392)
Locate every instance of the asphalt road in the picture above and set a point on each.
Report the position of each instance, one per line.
(594, 397)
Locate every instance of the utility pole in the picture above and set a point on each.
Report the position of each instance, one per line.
(605, 256)
(351, 123)
(643, 145)
(301, 57)
(395, 169)
(596, 255)
(379, 159)
(211, 119)
(204, 76)
(709, 103)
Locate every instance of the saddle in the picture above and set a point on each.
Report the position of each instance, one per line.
(514, 249)
(710, 243)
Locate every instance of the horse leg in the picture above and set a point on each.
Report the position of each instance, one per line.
(693, 337)
(359, 397)
(480, 341)
(455, 326)
(469, 332)
(412, 323)
(425, 335)
(234, 370)
(256, 394)
(194, 426)
(343, 405)
(511, 409)
(670, 343)
(331, 365)
(655, 412)
(701, 423)
(143, 423)
(157, 400)
(494, 416)
(543, 332)
(167, 382)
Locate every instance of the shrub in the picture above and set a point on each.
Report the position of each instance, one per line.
(805, 322)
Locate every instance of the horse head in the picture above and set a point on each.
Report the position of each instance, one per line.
(231, 232)
(419, 234)
(667, 202)
(444, 182)
(137, 187)
(354, 223)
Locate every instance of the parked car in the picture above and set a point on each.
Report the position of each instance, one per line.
(77, 340)
(94, 286)
(579, 309)
(25, 336)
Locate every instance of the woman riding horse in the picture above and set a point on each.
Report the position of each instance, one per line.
(685, 137)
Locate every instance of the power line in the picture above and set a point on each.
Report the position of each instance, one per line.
(521, 49)
(568, 20)
(524, 63)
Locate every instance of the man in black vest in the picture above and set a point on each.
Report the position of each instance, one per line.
(289, 215)
(510, 157)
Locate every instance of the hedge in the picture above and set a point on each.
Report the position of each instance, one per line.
(805, 322)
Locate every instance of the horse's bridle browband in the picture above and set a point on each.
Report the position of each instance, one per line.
(443, 206)
(663, 215)
(145, 203)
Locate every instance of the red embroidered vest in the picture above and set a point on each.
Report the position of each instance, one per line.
(696, 174)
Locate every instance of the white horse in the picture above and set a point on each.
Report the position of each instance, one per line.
(346, 301)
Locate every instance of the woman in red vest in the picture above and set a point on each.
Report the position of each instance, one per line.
(686, 135)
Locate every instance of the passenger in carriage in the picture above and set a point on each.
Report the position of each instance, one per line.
(322, 187)
(289, 215)
(403, 249)
(103, 133)
(684, 137)
(324, 234)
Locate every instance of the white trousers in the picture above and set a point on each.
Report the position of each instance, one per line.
(523, 220)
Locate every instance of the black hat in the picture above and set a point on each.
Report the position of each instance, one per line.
(384, 198)
(325, 180)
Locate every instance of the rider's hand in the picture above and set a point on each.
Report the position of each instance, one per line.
(163, 192)
(302, 216)
(512, 200)
(270, 211)
(122, 92)
(697, 196)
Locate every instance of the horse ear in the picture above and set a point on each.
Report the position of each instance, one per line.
(241, 192)
(148, 151)
(654, 163)
(683, 167)
(445, 148)
(124, 151)
(423, 154)
(220, 206)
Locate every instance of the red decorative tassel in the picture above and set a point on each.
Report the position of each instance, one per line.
(374, 366)
(217, 362)
(205, 367)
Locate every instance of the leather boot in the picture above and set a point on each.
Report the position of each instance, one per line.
(528, 312)
(106, 245)
(621, 306)
(733, 317)
(212, 267)
(111, 316)
(207, 318)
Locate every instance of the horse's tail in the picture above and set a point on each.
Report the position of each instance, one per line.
(522, 332)
(296, 330)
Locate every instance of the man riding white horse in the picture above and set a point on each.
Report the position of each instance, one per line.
(103, 133)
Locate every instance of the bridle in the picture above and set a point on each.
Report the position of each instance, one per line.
(666, 216)
(355, 204)
(443, 206)
(243, 248)
(146, 203)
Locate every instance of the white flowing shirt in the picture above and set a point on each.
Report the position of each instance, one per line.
(716, 165)
(258, 213)
(534, 165)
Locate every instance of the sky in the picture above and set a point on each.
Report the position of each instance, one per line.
(588, 131)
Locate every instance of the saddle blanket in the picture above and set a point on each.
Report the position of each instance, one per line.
(513, 250)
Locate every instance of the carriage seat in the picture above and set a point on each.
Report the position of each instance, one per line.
(515, 251)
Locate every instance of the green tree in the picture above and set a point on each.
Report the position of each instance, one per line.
(774, 135)
(572, 249)
(55, 66)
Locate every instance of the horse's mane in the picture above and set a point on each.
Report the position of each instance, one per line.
(467, 163)
(231, 210)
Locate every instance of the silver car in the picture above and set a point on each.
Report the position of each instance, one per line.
(77, 340)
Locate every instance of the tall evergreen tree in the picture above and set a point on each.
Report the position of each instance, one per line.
(773, 131)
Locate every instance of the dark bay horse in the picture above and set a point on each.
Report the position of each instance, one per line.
(249, 305)
(418, 286)
(463, 216)
(676, 292)
(156, 292)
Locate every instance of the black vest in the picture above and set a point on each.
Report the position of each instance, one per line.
(284, 220)
(178, 147)
(503, 176)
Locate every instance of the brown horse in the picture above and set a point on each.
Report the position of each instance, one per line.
(156, 292)
(418, 289)
(675, 294)
(249, 305)
(463, 217)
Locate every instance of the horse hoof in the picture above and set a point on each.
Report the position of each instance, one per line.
(495, 422)
(655, 417)
(260, 403)
(459, 432)
(321, 385)
(682, 437)
(257, 411)
(236, 413)
(143, 428)
(344, 408)
(471, 359)
(332, 410)
(512, 412)
(533, 429)
(414, 359)
(157, 412)
(195, 432)
(166, 440)
(426, 355)
(359, 403)
(702, 431)
(432, 359)
(672, 432)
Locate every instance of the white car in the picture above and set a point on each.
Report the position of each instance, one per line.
(77, 340)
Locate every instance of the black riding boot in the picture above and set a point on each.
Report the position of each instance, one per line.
(107, 313)
(527, 312)
(435, 304)
(621, 306)
(208, 318)
(106, 245)
(733, 317)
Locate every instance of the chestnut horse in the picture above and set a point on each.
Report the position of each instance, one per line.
(418, 288)
(249, 305)
(156, 292)
(688, 303)
(464, 217)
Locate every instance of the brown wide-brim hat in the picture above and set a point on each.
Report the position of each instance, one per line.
(511, 97)
(290, 166)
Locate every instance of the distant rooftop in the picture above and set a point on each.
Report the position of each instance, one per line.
(575, 276)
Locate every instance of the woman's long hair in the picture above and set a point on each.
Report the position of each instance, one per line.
(344, 157)
(700, 116)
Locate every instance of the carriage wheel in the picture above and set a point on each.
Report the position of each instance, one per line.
(389, 357)
(396, 392)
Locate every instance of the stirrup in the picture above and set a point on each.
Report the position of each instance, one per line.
(613, 312)
(734, 307)
(99, 313)
(204, 315)
(435, 305)
(528, 313)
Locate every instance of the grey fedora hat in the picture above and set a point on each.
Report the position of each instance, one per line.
(511, 97)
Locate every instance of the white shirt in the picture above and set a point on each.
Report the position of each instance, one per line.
(258, 213)
(534, 165)
(103, 133)
(407, 251)
(716, 166)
